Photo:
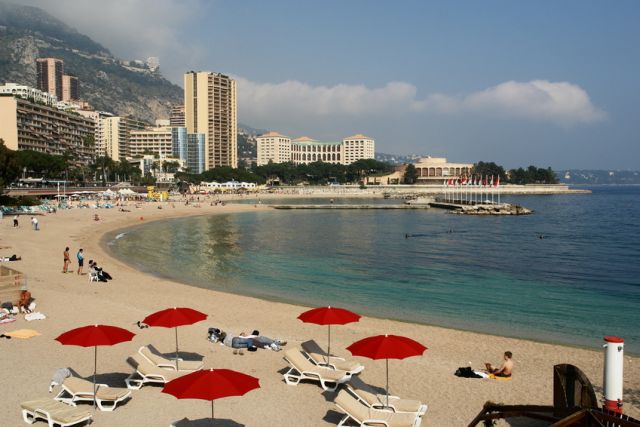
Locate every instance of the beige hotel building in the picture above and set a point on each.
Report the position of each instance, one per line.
(273, 147)
(210, 108)
(277, 148)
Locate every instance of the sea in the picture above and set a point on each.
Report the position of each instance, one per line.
(569, 273)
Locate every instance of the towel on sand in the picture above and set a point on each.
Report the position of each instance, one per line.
(23, 333)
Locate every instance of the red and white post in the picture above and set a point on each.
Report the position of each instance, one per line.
(613, 362)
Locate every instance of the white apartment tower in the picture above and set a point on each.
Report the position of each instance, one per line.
(273, 147)
(210, 108)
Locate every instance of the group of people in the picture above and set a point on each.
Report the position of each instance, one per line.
(243, 341)
(34, 223)
(102, 275)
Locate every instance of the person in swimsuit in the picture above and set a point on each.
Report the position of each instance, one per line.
(67, 260)
(80, 257)
(505, 370)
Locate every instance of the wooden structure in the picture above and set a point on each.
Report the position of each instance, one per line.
(10, 283)
(574, 404)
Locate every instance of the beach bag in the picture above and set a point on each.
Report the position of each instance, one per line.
(466, 372)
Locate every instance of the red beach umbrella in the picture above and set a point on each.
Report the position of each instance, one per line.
(174, 317)
(93, 336)
(387, 347)
(211, 384)
(329, 316)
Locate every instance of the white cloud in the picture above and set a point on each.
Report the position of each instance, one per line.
(562, 103)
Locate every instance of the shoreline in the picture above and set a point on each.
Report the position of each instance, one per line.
(106, 237)
(70, 301)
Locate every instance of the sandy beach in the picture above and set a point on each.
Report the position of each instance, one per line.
(70, 301)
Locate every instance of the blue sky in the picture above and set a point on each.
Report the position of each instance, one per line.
(547, 82)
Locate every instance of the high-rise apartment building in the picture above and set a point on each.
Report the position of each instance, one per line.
(176, 117)
(157, 140)
(98, 120)
(273, 147)
(189, 147)
(49, 76)
(70, 88)
(29, 125)
(210, 107)
(115, 136)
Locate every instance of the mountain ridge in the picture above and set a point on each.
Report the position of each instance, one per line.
(106, 82)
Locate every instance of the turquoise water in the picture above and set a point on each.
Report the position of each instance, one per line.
(580, 282)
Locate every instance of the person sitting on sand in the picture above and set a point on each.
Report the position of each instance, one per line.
(25, 301)
(505, 370)
(13, 257)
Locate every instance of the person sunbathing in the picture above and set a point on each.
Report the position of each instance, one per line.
(13, 257)
(242, 341)
(505, 370)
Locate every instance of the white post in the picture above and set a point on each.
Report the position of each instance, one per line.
(613, 363)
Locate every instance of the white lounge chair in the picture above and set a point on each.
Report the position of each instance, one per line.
(53, 412)
(153, 356)
(145, 372)
(75, 389)
(370, 398)
(302, 369)
(365, 416)
(319, 357)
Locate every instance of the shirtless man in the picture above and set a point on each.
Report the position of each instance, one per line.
(505, 370)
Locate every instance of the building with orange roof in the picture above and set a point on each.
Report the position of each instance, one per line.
(273, 147)
(277, 148)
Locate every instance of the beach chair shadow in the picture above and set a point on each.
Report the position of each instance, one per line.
(357, 381)
(185, 355)
(112, 379)
(333, 417)
(206, 422)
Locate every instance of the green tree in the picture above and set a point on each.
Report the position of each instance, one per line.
(170, 166)
(9, 166)
(410, 174)
(489, 169)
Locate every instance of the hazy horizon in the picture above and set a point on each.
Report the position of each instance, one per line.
(545, 83)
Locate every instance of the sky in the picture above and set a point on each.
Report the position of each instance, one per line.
(549, 83)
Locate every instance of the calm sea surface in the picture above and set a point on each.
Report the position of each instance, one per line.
(487, 274)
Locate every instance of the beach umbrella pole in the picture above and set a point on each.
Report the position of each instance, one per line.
(95, 368)
(329, 348)
(176, 328)
(387, 382)
(212, 417)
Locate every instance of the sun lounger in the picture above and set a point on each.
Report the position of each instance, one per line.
(368, 397)
(75, 389)
(162, 362)
(365, 416)
(302, 369)
(53, 412)
(145, 372)
(319, 357)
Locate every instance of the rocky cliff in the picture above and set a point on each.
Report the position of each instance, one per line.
(108, 83)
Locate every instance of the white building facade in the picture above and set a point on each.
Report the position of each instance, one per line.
(358, 147)
(273, 147)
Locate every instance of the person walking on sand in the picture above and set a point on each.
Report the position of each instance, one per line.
(15, 221)
(34, 222)
(67, 260)
(80, 257)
